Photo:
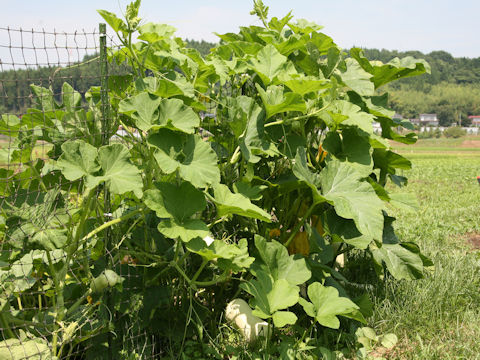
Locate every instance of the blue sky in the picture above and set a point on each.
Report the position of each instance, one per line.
(424, 25)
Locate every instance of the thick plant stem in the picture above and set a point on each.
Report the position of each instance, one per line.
(6, 327)
(54, 298)
(59, 277)
(181, 272)
(224, 277)
(78, 302)
(111, 223)
(300, 224)
(40, 180)
(169, 266)
(200, 269)
(301, 117)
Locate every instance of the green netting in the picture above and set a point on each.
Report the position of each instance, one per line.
(50, 92)
(54, 88)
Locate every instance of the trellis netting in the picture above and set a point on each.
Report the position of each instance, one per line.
(53, 88)
(143, 187)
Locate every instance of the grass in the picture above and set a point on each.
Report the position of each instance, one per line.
(463, 145)
(438, 317)
(7, 148)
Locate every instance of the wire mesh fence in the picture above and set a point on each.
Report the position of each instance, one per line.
(49, 85)
(55, 256)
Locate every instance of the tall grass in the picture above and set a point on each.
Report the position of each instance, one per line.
(438, 317)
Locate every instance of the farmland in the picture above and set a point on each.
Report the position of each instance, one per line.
(438, 317)
(266, 230)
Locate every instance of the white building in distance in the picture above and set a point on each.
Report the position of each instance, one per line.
(425, 120)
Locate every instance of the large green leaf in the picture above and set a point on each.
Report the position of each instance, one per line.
(403, 260)
(346, 113)
(278, 24)
(118, 172)
(112, 20)
(378, 106)
(269, 63)
(344, 230)
(387, 161)
(357, 79)
(272, 295)
(9, 125)
(303, 173)
(293, 43)
(253, 141)
(400, 261)
(186, 230)
(50, 239)
(303, 26)
(352, 147)
(275, 261)
(305, 85)
(242, 48)
(151, 32)
(78, 159)
(230, 203)
(22, 271)
(393, 70)
(175, 201)
(26, 349)
(71, 99)
(326, 305)
(282, 318)
(276, 101)
(237, 111)
(194, 158)
(353, 198)
(200, 163)
(169, 85)
(44, 98)
(229, 256)
(175, 115)
(150, 112)
(253, 192)
(388, 132)
(143, 109)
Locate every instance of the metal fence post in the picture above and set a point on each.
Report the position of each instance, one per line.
(105, 113)
(104, 83)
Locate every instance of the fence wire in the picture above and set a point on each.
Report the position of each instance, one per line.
(53, 89)
(43, 74)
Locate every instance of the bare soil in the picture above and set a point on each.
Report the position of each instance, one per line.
(471, 144)
(473, 239)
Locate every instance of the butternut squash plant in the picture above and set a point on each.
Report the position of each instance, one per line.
(239, 175)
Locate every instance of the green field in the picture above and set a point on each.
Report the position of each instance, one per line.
(464, 145)
(438, 317)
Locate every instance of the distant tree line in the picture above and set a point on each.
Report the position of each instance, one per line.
(15, 93)
(452, 90)
(452, 103)
(203, 46)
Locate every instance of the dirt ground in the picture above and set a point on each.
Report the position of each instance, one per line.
(474, 240)
(471, 144)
